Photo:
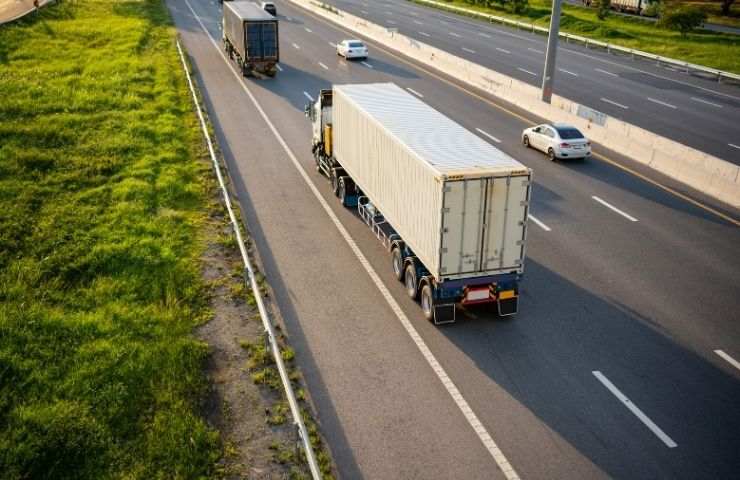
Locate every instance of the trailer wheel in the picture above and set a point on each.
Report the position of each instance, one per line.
(397, 262)
(412, 286)
(343, 186)
(427, 301)
(334, 183)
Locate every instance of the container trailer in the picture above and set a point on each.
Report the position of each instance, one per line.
(250, 36)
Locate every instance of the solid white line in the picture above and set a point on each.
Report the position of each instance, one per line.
(468, 50)
(535, 50)
(452, 390)
(502, 50)
(708, 103)
(662, 103)
(615, 209)
(367, 64)
(605, 72)
(633, 408)
(614, 103)
(728, 358)
(455, 35)
(308, 29)
(279, 67)
(488, 135)
(526, 71)
(733, 145)
(415, 92)
(566, 71)
(295, 45)
(309, 97)
(539, 223)
(323, 66)
(484, 35)
(425, 34)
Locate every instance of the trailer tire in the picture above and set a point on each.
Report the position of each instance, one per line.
(397, 263)
(412, 286)
(334, 183)
(344, 184)
(427, 301)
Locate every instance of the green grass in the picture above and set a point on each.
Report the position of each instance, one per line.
(102, 202)
(716, 50)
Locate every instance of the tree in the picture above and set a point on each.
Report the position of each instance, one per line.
(726, 4)
(682, 18)
(519, 6)
(603, 8)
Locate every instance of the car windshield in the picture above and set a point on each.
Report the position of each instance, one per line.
(356, 45)
(569, 133)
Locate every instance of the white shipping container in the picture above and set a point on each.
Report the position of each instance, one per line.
(457, 201)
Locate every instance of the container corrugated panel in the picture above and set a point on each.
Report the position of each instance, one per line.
(403, 153)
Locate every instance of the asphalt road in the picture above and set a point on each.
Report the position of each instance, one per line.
(643, 303)
(696, 112)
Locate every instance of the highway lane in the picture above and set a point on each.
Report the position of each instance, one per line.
(695, 112)
(530, 380)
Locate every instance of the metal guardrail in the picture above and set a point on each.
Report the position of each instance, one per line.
(688, 67)
(251, 281)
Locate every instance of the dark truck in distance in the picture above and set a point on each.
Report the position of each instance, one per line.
(250, 35)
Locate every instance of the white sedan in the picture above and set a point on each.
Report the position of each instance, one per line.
(352, 49)
(558, 141)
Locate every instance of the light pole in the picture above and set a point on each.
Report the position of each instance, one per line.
(552, 48)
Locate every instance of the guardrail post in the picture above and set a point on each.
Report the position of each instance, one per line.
(608, 48)
(719, 77)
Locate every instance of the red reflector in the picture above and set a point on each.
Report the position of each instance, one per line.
(565, 144)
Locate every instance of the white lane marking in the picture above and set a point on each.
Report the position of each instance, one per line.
(728, 358)
(539, 223)
(415, 92)
(566, 71)
(484, 35)
(391, 22)
(468, 50)
(333, 44)
(614, 209)
(535, 50)
(418, 22)
(462, 404)
(308, 29)
(707, 102)
(614, 103)
(309, 97)
(290, 19)
(455, 35)
(425, 34)
(486, 134)
(502, 50)
(323, 66)
(278, 67)
(526, 71)
(662, 103)
(363, 12)
(605, 72)
(388, 13)
(296, 46)
(367, 64)
(733, 145)
(633, 408)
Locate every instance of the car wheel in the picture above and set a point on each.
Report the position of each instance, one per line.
(525, 141)
(551, 155)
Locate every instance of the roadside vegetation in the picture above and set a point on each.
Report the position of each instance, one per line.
(120, 314)
(702, 47)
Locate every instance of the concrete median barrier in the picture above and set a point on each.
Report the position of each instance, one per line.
(706, 173)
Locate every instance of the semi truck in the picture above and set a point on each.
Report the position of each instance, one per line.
(250, 36)
(450, 208)
(637, 7)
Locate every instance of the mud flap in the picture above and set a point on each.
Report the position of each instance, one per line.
(509, 306)
(444, 314)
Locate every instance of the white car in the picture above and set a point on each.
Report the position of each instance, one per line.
(352, 49)
(558, 141)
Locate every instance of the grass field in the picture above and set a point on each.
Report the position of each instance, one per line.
(102, 195)
(711, 49)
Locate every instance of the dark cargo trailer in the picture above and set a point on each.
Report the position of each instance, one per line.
(251, 37)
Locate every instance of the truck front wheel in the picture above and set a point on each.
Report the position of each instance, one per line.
(427, 302)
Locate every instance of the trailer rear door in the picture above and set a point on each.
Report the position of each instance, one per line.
(506, 219)
(261, 40)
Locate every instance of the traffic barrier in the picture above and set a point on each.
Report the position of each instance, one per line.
(706, 173)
